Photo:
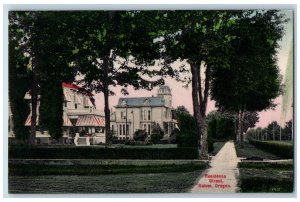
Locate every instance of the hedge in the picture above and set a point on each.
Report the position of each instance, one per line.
(43, 169)
(280, 149)
(26, 152)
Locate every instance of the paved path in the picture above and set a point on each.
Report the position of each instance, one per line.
(222, 176)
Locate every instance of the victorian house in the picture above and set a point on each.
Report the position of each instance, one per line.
(80, 117)
(138, 113)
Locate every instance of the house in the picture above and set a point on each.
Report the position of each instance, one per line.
(138, 113)
(79, 116)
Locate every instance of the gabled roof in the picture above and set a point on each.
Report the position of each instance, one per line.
(141, 101)
(74, 86)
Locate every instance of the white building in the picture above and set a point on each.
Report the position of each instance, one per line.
(140, 112)
(79, 116)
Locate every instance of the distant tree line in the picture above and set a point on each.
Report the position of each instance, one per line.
(273, 132)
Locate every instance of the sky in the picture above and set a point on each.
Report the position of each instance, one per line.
(183, 96)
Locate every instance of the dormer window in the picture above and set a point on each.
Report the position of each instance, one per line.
(146, 102)
(124, 102)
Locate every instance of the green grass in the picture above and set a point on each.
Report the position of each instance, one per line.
(266, 180)
(217, 147)
(282, 149)
(43, 169)
(267, 165)
(157, 146)
(123, 183)
(250, 151)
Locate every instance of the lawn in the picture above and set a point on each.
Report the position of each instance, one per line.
(251, 151)
(266, 177)
(179, 182)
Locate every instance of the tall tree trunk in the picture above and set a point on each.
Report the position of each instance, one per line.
(240, 128)
(203, 106)
(106, 101)
(34, 100)
(196, 105)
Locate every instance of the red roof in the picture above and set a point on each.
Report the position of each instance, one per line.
(74, 86)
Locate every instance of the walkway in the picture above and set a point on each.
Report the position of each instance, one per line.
(222, 176)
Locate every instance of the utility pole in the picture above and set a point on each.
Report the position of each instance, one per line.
(280, 133)
(132, 121)
(273, 133)
(126, 126)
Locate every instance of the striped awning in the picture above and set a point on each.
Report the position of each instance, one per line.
(28, 120)
(77, 99)
(67, 96)
(67, 121)
(87, 102)
(91, 120)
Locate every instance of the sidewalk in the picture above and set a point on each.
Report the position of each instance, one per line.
(222, 176)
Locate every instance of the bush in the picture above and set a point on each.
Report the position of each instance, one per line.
(27, 152)
(140, 135)
(156, 133)
(173, 136)
(187, 136)
(280, 149)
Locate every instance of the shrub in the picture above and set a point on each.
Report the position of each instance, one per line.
(27, 152)
(173, 136)
(156, 133)
(140, 135)
(280, 149)
(187, 136)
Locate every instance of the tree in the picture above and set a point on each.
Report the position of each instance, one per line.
(220, 125)
(288, 130)
(181, 110)
(55, 57)
(199, 38)
(187, 135)
(249, 120)
(23, 24)
(156, 133)
(251, 81)
(44, 42)
(114, 48)
(19, 75)
(273, 131)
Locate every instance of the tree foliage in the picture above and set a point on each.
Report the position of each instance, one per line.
(251, 81)
(187, 135)
(114, 48)
(19, 75)
(199, 39)
(43, 42)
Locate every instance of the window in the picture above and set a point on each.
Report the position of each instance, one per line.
(112, 128)
(123, 129)
(145, 114)
(121, 115)
(120, 129)
(149, 129)
(149, 115)
(145, 127)
(75, 106)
